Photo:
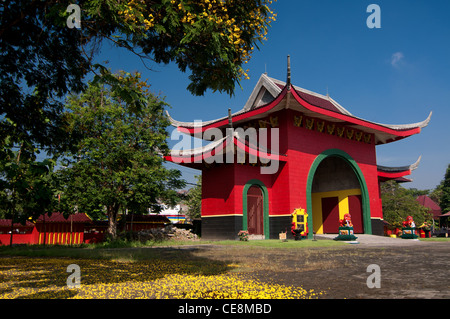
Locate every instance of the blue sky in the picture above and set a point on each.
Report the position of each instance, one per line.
(396, 74)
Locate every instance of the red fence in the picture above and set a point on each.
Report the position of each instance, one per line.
(78, 229)
(5, 239)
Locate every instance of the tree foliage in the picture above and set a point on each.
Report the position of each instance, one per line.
(120, 144)
(42, 59)
(212, 38)
(194, 200)
(399, 203)
(27, 189)
(445, 192)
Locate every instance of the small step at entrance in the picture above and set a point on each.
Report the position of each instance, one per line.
(256, 237)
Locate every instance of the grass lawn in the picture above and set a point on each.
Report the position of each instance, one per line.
(135, 251)
(276, 243)
(435, 239)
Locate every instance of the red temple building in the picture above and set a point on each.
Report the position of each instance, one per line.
(322, 159)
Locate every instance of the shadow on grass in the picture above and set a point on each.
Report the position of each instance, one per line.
(110, 267)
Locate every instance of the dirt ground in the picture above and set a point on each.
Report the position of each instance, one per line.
(408, 269)
(412, 271)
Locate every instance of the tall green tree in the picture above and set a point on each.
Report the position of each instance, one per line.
(42, 59)
(445, 195)
(194, 200)
(27, 189)
(120, 139)
(436, 193)
(399, 203)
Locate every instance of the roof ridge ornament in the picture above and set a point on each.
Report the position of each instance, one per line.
(288, 81)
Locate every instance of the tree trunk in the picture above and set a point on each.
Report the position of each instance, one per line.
(12, 230)
(112, 221)
(71, 229)
(45, 231)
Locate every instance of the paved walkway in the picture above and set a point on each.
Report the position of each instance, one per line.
(372, 240)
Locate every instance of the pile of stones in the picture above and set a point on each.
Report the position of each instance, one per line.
(183, 234)
(167, 233)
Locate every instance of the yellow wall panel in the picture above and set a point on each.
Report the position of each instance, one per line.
(342, 196)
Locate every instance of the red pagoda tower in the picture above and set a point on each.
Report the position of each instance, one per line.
(308, 152)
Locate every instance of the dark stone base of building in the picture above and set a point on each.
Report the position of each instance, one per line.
(377, 227)
(228, 227)
(221, 228)
(279, 225)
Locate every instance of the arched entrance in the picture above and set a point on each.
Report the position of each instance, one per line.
(336, 186)
(255, 208)
(255, 211)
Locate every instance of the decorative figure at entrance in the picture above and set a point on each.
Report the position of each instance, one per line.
(346, 222)
(409, 222)
(299, 225)
(346, 229)
(409, 229)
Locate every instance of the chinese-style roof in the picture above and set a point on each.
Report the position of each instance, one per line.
(271, 95)
(386, 173)
(427, 202)
(7, 223)
(236, 144)
(59, 218)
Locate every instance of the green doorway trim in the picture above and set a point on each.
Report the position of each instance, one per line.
(362, 182)
(250, 183)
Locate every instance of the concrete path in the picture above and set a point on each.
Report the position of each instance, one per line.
(372, 240)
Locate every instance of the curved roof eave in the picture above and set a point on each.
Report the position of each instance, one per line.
(400, 127)
(388, 172)
(198, 155)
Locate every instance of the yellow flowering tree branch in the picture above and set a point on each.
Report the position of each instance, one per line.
(212, 38)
